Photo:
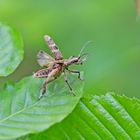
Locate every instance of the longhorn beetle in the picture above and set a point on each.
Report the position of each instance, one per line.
(54, 67)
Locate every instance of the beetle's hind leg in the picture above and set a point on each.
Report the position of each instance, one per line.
(50, 78)
(43, 88)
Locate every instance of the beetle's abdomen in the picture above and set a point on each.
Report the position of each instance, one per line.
(42, 73)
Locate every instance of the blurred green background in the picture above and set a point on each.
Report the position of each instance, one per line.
(114, 57)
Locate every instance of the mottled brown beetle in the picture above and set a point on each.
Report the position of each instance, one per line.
(54, 67)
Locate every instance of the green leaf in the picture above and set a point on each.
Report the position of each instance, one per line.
(11, 50)
(21, 113)
(109, 117)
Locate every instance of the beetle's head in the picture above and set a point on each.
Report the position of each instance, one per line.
(80, 59)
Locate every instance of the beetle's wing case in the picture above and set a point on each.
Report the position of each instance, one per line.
(44, 59)
(53, 47)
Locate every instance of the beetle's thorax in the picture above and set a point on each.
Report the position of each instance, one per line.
(71, 61)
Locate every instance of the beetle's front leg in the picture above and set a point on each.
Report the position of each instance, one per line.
(76, 72)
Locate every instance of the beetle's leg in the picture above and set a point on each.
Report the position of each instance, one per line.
(50, 78)
(43, 88)
(66, 80)
(76, 72)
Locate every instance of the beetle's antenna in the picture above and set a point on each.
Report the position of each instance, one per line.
(84, 57)
(86, 44)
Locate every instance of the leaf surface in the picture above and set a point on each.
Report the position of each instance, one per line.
(109, 117)
(21, 113)
(11, 49)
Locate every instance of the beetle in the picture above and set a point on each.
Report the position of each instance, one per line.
(55, 66)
